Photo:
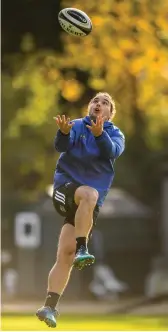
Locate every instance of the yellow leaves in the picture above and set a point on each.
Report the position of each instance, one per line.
(105, 6)
(136, 66)
(144, 25)
(97, 83)
(154, 103)
(18, 81)
(39, 103)
(151, 60)
(127, 45)
(115, 53)
(151, 52)
(72, 90)
(123, 7)
(42, 79)
(157, 117)
(35, 113)
(146, 92)
(34, 73)
(97, 62)
(113, 48)
(53, 75)
(87, 6)
(97, 20)
(164, 71)
(162, 23)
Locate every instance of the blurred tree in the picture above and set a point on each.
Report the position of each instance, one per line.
(126, 55)
(127, 41)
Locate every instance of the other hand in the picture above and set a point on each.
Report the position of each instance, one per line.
(97, 128)
(63, 124)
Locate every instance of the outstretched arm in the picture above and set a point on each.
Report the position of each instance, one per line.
(109, 146)
(62, 138)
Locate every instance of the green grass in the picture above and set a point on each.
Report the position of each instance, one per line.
(85, 323)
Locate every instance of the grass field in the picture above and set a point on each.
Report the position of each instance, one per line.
(85, 323)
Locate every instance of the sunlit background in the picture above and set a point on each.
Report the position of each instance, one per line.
(46, 72)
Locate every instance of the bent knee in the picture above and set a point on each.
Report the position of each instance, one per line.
(85, 193)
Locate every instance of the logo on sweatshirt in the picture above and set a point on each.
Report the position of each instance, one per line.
(83, 136)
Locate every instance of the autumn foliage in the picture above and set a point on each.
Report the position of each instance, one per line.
(126, 55)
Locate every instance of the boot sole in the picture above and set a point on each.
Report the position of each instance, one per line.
(48, 322)
(83, 262)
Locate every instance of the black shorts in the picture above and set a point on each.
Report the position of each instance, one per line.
(63, 200)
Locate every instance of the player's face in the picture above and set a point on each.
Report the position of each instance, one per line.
(100, 105)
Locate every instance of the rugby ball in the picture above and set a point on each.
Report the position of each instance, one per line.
(75, 22)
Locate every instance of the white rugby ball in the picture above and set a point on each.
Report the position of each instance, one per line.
(75, 22)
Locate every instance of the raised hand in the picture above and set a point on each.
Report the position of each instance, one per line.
(97, 128)
(63, 124)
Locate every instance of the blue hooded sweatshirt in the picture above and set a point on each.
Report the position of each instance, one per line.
(86, 159)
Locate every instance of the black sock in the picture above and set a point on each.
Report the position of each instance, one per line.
(80, 241)
(51, 300)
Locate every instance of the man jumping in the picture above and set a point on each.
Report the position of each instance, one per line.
(82, 179)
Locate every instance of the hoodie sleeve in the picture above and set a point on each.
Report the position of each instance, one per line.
(63, 142)
(111, 146)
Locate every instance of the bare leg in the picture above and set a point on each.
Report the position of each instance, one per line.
(86, 199)
(60, 273)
